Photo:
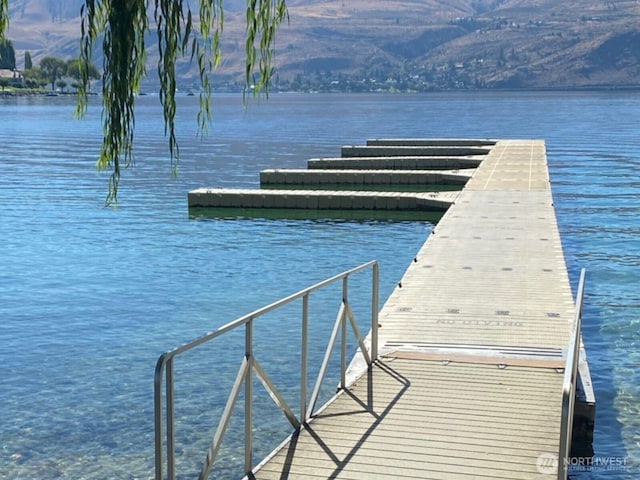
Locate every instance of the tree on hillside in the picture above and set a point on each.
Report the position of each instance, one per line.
(28, 63)
(53, 68)
(7, 54)
(121, 26)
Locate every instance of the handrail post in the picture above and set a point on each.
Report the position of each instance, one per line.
(569, 383)
(303, 357)
(157, 413)
(343, 320)
(374, 311)
(248, 398)
(171, 434)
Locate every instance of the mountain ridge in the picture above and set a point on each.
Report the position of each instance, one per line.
(401, 44)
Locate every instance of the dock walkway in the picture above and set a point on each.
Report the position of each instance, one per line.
(472, 342)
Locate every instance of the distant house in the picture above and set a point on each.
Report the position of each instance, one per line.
(16, 79)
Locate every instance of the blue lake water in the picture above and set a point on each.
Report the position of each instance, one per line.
(90, 296)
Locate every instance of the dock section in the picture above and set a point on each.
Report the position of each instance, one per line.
(321, 199)
(473, 343)
(369, 178)
(405, 162)
(404, 177)
(391, 149)
(429, 420)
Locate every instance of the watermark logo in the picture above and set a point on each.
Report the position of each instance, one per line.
(597, 464)
(547, 464)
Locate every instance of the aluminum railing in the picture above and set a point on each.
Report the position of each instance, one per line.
(250, 365)
(569, 384)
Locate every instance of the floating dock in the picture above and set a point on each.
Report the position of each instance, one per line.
(375, 177)
(473, 341)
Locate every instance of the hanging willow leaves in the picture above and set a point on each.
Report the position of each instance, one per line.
(123, 24)
(4, 17)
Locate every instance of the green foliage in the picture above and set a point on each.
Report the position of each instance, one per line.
(122, 25)
(4, 17)
(74, 70)
(53, 68)
(35, 78)
(7, 55)
(28, 63)
(263, 19)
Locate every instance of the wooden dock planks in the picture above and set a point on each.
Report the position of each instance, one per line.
(468, 385)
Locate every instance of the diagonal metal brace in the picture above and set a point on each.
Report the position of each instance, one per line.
(275, 395)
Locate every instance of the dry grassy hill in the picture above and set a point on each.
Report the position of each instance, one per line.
(405, 44)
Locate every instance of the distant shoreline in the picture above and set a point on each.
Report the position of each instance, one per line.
(577, 89)
(23, 92)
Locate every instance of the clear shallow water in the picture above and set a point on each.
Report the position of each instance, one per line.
(89, 297)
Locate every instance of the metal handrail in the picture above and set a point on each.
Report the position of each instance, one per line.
(569, 383)
(250, 365)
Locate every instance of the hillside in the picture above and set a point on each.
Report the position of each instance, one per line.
(404, 44)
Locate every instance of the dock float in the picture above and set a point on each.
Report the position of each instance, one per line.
(363, 177)
(398, 181)
(321, 200)
(476, 351)
(406, 162)
(395, 150)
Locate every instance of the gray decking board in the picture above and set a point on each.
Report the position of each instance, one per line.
(491, 276)
(493, 272)
(466, 424)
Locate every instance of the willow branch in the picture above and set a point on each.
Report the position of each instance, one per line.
(263, 20)
(123, 24)
(4, 18)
